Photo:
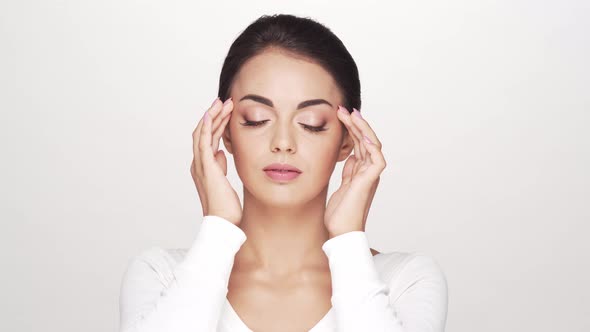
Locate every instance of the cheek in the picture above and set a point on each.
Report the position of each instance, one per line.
(246, 153)
(323, 154)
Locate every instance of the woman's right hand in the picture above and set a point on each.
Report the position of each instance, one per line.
(209, 165)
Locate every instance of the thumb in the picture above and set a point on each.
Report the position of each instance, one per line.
(347, 171)
(221, 160)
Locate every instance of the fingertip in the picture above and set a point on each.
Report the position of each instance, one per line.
(228, 101)
(227, 105)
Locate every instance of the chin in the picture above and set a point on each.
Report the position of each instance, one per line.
(286, 196)
(277, 194)
(281, 195)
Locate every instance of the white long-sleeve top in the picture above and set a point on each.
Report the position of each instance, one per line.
(184, 290)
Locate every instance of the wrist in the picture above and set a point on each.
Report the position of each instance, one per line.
(335, 233)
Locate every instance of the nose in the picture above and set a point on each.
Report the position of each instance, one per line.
(282, 140)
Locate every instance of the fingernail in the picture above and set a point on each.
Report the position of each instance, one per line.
(214, 101)
(225, 102)
(205, 115)
(367, 139)
(357, 113)
(342, 109)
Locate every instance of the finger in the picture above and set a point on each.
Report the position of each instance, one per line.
(222, 161)
(365, 129)
(197, 131)
(355, 133)
(344, 116)
(221, 122)
(214, 110)
(353, 117)
(347, 171)
(226, 108)
(358, 134)
(196, 152)
(372, 191)
(195, 177)
(217, 134)
(377, 159)
(205, 149)
(359, 162)
(197, 135)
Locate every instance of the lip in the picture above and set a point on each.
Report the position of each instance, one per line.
(281, 167)
(282, 172)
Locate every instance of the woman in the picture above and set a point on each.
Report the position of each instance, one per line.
(289, 260)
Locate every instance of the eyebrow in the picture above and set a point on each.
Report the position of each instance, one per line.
(268, 102)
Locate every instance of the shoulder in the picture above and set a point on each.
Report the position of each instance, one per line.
(404, 270)
(396, 263)
(155, 263)
(417, 288)
(149, 275)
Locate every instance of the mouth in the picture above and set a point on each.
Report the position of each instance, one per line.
(282, 172)
(282, 168)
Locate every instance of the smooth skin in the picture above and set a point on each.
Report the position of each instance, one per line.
(281, 270)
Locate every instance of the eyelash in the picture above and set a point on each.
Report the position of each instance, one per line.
(258, 123)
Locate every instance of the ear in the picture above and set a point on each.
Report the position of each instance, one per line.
(226, 137)
(346, 147)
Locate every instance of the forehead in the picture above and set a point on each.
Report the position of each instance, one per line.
(284, 78)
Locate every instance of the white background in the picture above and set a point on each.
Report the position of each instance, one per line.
(482, 108)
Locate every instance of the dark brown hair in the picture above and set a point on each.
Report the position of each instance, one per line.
(301, 37)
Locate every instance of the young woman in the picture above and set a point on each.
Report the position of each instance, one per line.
(290, 259)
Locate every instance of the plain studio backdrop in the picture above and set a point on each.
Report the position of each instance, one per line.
(482, 108)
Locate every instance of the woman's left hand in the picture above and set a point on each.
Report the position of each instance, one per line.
(348, 207)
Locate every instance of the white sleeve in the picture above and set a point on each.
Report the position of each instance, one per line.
(362, 301)
(193, 300)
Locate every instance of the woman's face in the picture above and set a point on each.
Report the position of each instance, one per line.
(295, 102)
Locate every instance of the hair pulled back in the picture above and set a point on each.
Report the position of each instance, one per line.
(300, 37)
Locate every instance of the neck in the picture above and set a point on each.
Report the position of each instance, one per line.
(283, 240)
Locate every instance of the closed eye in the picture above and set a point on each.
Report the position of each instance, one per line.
(254, 123)
(314, 129)
(259, 123)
